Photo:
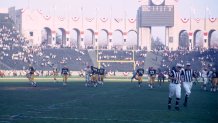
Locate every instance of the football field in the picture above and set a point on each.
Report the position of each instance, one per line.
(114, 102)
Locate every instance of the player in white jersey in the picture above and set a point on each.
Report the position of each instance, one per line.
(175, 76)
(188, 82)
(87, 75)
(204, 75)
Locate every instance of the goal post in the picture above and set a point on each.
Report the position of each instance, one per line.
(132, 60)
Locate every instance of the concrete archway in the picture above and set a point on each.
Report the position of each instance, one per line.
(117, 38)
(89, 38)
(74, 37)
(198, 39)
(61, 37)
(131, 40)
(183, 40)
(103, 38)
(213, 39)
(46, 36)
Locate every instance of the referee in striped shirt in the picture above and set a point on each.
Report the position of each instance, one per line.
(188, 82)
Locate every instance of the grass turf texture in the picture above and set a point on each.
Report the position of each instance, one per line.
(115, 102)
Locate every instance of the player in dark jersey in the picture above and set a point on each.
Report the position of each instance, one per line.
(31, 75)
(214, 80)
(101, 73)
(139, 75)
(152, 76)
(65, 73)
(94, 77)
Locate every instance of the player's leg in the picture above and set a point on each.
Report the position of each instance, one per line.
(29, 78)
(171, 93)
(86, 80)
(133, 77)
(149, 82)
(210, 84)
(102, 79)
(139, 81)
(32, 80)
(205, 81)
(178, 96)
(65, 79)
(214, 84)
(159, 81)
(55, 77)
(95, 80)
(152, 81)
(187, 87)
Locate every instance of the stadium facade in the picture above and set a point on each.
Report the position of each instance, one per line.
(151, 13)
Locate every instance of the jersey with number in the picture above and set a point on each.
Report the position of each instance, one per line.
(140, 71)
(152, 72)
(64, 71)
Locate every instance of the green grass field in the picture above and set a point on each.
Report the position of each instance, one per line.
(115, 102)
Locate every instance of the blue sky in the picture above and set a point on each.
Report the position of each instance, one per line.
(103, 8)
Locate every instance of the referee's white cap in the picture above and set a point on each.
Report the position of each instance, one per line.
(188, 64)
(179, 65)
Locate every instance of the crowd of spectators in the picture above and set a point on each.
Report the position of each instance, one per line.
(16, 53)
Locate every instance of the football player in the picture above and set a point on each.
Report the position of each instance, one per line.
(139, 75)
(204, 75)
(94, 77)
(65, 73)
(31, 75)
(152, 76)
(101, 73)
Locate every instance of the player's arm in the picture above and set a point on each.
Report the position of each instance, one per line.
(171, 76)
